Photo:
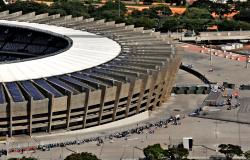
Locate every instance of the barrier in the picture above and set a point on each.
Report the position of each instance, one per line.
(195, 73)
(194, 89)
(245, 87)
(228, 85)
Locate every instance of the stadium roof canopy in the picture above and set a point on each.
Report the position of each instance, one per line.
(88, 50)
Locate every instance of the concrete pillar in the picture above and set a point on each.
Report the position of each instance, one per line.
(68, 110)
(4, 13)
(25, 17)
(152, 86)
(10, 119)
(138, 29)
(120, 25)
(12, 15)
(130, 95)
(166, 79)
(86, 107)
(37, 17)
(129, 27)
(174, 65)
(111, 23)
(117, 99)
(9, 109)
(142, 90)
(50, 114)
(102, 101)
(30, 113)
(160, 87)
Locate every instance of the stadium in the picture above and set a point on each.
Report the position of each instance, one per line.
(69, 73)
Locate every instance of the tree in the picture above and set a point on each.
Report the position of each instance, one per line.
(195, 24)
(116, 9)
(247, 155)
(145, 22)
(228, 25)
(74, 8)
(197, 13)
(244, 25)
(82, 156)
(110, 5)
(242, 5)
(148, 2)
(57, 11)
(202, 4)
(27, 7)
(150, 13)
(179, 151)
(2, 5)
(170, 24)
(243, 15)
(230, 150)
(220, 9)
(111, 15)
(217, 8)
(154, 152)
(162, 10)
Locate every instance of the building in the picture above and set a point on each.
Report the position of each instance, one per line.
(73, 73)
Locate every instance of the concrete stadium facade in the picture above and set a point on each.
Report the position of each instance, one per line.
(139, 79)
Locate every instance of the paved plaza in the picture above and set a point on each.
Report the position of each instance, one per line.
(231, 71)
(207, 134)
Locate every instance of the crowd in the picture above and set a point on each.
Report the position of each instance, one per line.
(139, 129)
(148, 128)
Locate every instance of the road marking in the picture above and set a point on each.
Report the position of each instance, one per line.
(132, 139)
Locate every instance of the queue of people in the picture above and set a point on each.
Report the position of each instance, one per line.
(148, 128)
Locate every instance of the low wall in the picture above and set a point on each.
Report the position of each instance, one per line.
(195, 89)
(195, 73)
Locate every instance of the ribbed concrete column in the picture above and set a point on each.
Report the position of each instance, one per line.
(103, 95)
(50, 114)
(172, 71)
(30, 113)
(160, 85)
(68, 110)
(4, 13)
(9, 109)
(130, 95)
(142, 91)
(166, 79)
(10, 119)
(117, 98)
(152, 86)
(86, 107)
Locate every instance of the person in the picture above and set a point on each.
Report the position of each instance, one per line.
(211, 70)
